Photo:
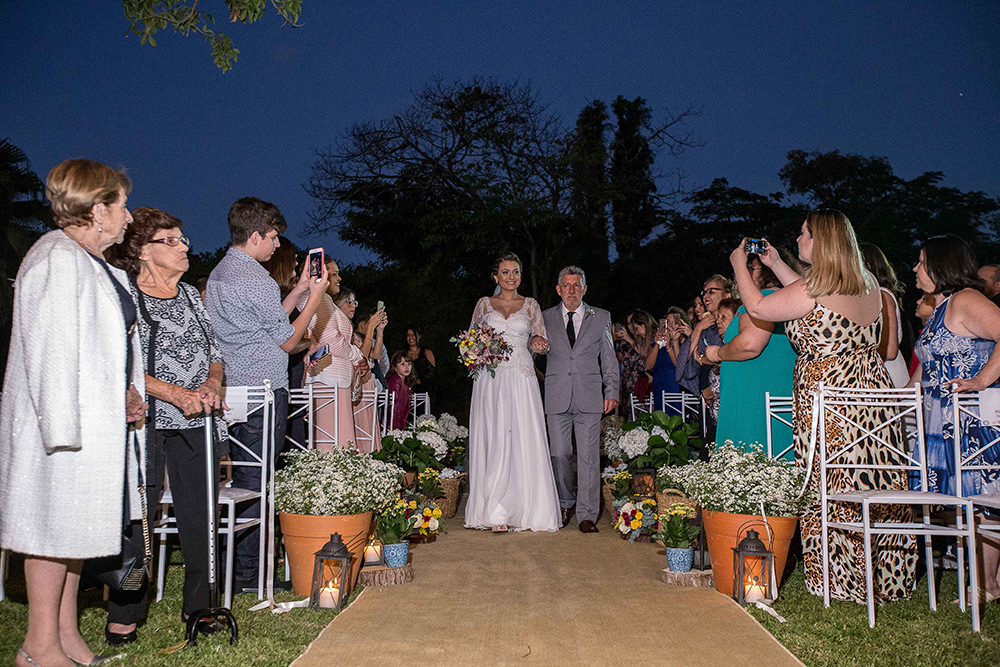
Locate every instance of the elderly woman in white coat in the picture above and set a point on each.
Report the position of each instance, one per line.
(67, 397)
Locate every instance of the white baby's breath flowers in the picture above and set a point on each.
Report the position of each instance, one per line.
(332, 483)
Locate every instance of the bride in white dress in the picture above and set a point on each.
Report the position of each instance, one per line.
(511, 485)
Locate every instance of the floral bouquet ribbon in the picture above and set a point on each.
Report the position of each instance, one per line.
(481, 348)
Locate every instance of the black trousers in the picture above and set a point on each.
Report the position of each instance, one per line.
(181, 453)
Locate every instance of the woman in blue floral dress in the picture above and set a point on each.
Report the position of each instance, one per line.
(957, 352)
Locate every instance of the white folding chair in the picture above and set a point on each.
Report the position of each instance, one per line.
(838, 408)
(322, 396)
(419, 399)
(638, 405)
(259, 399)
(385, 403)
(969, 454)
(300, 405)
(775, 410)
(367, 429)
(687, 406)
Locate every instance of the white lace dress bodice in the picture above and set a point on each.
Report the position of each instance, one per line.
(510, 469)
(517, 330)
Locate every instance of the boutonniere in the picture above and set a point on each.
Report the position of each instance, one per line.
(590, 312)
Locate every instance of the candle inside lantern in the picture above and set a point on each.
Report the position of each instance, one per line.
(754, 590)
(373, 553)
(328, 596)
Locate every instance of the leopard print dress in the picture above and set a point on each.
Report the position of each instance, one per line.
(835, 350)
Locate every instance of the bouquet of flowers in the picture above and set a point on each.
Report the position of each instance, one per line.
(481, 349)
(426, 516)
(738, 481)
(675, 530)
(635, 517)
(395, 523)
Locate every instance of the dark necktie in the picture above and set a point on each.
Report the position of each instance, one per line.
(570, 331)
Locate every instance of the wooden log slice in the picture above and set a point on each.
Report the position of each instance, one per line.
(380, 575)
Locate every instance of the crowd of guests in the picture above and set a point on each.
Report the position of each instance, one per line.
(782, 325)
(114, 364)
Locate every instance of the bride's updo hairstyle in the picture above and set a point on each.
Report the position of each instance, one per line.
(837, 265)
(506, 257)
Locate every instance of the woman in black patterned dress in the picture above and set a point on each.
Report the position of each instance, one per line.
(183, 381)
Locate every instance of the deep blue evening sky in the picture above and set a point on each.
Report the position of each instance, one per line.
(915, 81)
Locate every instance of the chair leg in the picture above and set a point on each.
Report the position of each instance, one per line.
(973, 565)
(161, 568)
(825, 541)
(929, 557)
(869, 583)
(3, 573)
(960, 549)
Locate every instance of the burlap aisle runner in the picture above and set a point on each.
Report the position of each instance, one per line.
(541, 598)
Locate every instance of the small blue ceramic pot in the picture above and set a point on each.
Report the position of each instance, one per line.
(680, 560)
(397, 555)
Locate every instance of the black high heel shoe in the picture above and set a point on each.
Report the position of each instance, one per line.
(120, 639)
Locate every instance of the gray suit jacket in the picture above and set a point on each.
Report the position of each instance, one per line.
(579, 378)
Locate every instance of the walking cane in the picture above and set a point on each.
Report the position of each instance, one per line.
(214, 612)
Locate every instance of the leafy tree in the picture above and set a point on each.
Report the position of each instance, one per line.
(148, 17)
(24, 216)
(589, 190)
(634, 211)
(466, 172)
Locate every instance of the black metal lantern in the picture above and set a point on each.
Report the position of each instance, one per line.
(753, 570)
(373, 555)
(643, 484)
(702, 560)
(331, 575)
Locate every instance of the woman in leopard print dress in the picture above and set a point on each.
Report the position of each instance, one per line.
(833, 317)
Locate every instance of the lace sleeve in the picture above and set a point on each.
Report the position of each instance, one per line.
(479, 314)
(537, 323)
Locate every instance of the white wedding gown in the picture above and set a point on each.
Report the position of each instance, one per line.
(510, 471)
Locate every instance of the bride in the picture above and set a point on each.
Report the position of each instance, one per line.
(511, 485)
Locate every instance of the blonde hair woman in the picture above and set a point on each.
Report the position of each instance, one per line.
(833, 316)
(68, 395)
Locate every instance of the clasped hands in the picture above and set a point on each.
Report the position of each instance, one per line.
(539, 345)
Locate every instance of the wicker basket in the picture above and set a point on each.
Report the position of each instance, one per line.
(448, 503)
(609, 500)
(667, 497)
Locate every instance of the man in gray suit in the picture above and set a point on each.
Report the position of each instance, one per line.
(581, 384)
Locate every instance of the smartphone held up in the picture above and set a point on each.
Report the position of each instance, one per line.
(755, 246)
(316, 258)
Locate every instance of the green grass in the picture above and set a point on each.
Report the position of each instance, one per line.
(906, 633)
(265, 638)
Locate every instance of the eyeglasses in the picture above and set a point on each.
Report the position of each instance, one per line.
(711, 289)
(351, 302)
(173, 240)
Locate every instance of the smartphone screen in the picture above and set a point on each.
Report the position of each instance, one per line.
(315, 262)
(318, 354)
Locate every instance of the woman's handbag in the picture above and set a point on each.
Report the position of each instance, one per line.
(129, 570)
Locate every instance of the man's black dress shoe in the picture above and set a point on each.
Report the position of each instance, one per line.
(567, 514)
(587, 526)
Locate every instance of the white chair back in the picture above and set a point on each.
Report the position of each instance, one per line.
(322, 397)
(300, 405)
(420, 404)
(366, 424)
(971, 460)
(384, 407)
(777, 409)
(639, 405)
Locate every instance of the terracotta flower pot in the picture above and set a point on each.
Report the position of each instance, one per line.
(722, 533)
(304, 535)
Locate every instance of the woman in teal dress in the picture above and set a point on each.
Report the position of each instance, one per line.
(756, 358)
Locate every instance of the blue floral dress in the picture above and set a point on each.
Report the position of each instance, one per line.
(945, 356)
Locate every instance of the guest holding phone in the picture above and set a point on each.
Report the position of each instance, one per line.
(661, 360)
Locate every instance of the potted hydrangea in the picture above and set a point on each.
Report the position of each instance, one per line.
(735, 488)
(321, 493)
(413, 451)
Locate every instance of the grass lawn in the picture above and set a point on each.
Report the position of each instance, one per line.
(265, 638)
(906, 633)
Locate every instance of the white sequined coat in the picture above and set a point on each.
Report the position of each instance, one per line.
(62, 417)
